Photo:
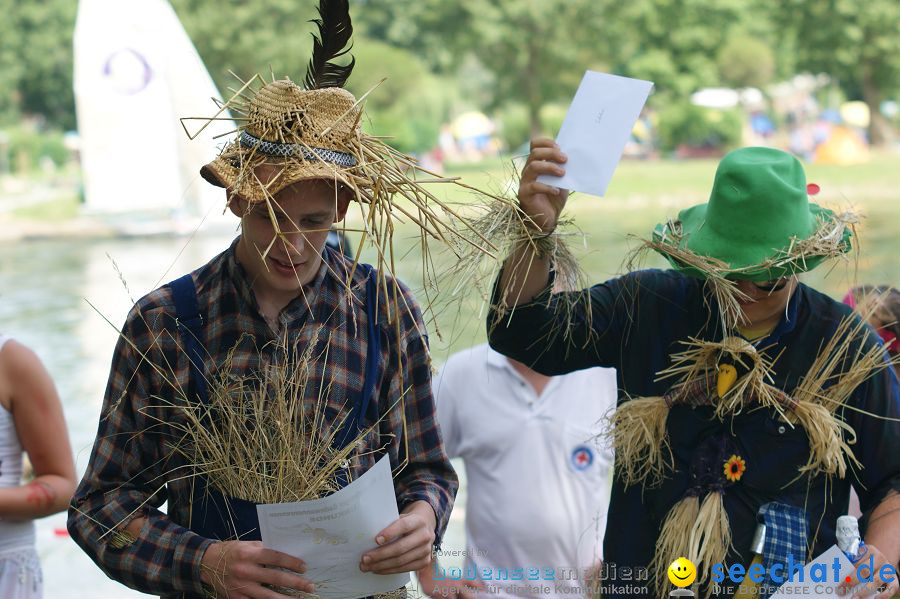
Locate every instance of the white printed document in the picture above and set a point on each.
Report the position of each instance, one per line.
(820, 579)
(596, 129)
(331, 534)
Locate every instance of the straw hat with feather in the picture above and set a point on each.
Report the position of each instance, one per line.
(304, 133)
(299, 132)
(758, 225)
(292, 132)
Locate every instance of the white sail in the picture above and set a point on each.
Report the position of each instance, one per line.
(136, 73)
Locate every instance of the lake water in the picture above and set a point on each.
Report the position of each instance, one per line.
(56, 297)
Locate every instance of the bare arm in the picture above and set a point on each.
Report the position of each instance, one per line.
(38, 417)
(883, 549)
(525, 273)
(884, 528)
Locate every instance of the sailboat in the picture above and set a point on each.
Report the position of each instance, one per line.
(136, 74)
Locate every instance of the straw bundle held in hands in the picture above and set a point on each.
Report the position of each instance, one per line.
(257, 439)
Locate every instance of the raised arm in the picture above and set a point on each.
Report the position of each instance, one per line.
(525, 273)
(38, 418)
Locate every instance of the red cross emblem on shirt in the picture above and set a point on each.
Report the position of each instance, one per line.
(582, 457)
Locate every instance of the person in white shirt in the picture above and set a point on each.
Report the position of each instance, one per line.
(538, 478)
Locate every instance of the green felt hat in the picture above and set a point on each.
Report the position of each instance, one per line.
(758, 224)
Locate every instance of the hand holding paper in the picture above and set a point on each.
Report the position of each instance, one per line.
(331, 534)
(542, 202)
(406, 544)
(820, 578)
(596, 129)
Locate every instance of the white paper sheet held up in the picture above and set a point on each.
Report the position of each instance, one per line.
(809, 588)
(596, 129)
(332, 533)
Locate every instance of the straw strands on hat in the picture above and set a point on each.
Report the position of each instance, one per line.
(724, 290)
(291, 133)
(829, 240)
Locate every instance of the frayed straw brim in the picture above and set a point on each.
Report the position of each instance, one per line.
(830, 240)
(389, 187)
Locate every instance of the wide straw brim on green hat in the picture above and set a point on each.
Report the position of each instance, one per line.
(758, 224)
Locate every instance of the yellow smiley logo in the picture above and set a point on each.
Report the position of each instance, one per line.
(682, 572)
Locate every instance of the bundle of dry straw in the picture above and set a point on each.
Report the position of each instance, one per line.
(257, 439)
(514, 235)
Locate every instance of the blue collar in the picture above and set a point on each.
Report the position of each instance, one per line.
(788, 320)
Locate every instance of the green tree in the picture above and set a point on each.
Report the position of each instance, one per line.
(433, 30)
(534, 50)
(249, 37)
(409, 104)
(675, 43)
(746, 61)
(858, 43)
(36, 61)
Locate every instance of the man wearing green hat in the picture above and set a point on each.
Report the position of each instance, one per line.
(735, 262)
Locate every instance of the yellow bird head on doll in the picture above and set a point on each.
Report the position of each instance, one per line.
(736, 358)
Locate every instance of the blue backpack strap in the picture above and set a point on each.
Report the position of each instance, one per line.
(213, 515)
(373, 351)
(353, 424)
(189, 321)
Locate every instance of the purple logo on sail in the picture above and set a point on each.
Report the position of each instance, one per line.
(127, 71)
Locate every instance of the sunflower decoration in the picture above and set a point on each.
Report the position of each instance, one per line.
(734, 468)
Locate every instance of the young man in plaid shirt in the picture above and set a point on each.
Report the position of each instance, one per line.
(290, 175)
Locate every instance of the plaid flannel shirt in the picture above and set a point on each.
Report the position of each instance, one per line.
(133, 468)
(635, 323)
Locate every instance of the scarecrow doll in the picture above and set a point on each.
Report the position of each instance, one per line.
(742, 390)
(281, 369)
